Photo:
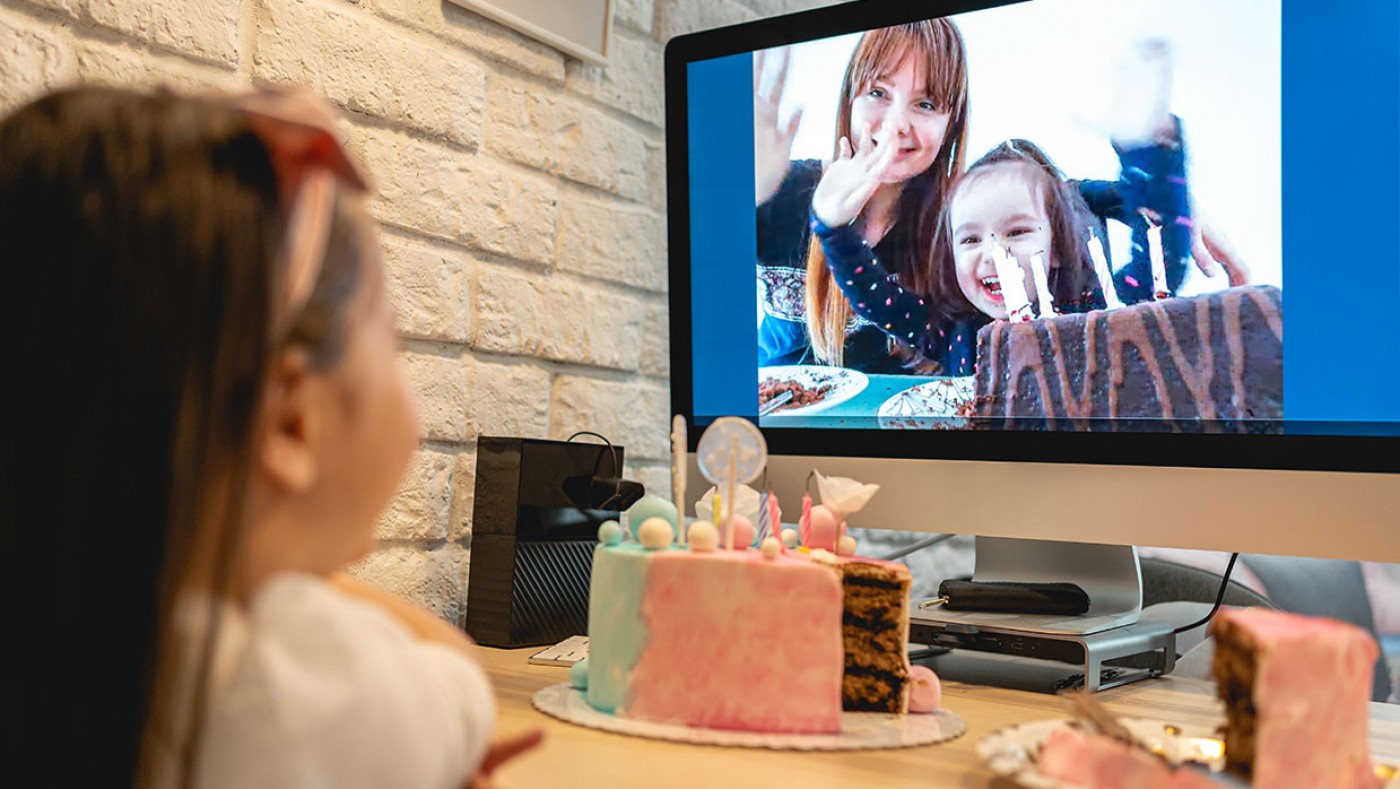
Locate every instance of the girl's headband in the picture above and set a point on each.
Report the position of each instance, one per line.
(298, 129)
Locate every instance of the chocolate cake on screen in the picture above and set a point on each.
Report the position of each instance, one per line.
(1205, 363)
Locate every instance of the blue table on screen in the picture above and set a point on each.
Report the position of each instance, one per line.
(858, 412)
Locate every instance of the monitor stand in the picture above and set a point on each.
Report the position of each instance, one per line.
(1107, 644)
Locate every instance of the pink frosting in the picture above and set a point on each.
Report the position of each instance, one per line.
(723, 655)
(1096, 762)
(1311, 690)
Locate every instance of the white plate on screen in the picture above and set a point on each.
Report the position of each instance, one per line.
(841, 384)
(929, 406)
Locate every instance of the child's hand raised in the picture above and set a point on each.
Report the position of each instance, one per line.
(849, 182)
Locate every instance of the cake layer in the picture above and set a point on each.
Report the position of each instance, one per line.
(1206, 363)
(1295, 690)
(723, 639)
(875, 632)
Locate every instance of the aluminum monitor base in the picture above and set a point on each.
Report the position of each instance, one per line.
(1104, 659)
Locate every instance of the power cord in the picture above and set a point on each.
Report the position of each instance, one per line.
(927, 542)
(617, 497)
(1224, 583)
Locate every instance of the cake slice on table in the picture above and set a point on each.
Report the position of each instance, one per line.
(1098, 752)
(1295, 690)
(1096, 761)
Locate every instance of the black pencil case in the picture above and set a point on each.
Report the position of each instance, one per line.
(1013, 597)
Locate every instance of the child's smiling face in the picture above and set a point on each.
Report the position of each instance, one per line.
(996, 205)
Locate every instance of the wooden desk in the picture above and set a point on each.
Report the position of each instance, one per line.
(574, 757)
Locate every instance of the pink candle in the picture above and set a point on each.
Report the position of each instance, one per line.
(804, 526)
(763, 512)
(773, 516)
(729, 503)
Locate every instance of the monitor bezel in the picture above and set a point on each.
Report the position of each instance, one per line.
(1264, 451)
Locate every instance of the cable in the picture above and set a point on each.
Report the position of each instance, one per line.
(1224, 582)
(617, 468)
(597, 462)
(918, 546)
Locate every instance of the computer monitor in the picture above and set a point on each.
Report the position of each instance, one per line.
(1289, 116)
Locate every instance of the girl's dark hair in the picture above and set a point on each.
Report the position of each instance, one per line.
(1072, 279)
(939, 44)
(141, 252)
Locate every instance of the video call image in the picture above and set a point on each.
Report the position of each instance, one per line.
(1053, 215)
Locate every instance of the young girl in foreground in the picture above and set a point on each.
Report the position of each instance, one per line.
(206, 418)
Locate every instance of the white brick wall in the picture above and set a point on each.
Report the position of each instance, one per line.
(523, 198)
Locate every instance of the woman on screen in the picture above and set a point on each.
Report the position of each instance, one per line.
(904, 93)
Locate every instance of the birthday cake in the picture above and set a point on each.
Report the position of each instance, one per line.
(1211, 362)
(1295, 690)
(743, 640)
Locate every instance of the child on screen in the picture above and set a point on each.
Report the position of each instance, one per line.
(206, 418)
(1014, 200)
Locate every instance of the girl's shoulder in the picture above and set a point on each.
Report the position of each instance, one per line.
(356, 699)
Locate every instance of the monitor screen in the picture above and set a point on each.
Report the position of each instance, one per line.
(1054, 230)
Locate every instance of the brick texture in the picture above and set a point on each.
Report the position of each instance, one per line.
(428, 286)
(367, 66)
(206, 30)
(634, 415)
(34, 57)
(421, 507)
(556, 318)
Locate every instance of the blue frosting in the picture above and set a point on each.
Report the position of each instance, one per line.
(616, 634)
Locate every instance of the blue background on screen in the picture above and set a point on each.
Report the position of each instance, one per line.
(723, 237)
(1341, 219)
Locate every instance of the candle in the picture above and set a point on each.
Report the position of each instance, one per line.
(763, 527)
(729, 499)
(1013, 285)
(1159, 263)
(1042, 285)
(775, 517)
(678, 472)
(1110, 291)
(804, 526)
(717, 508)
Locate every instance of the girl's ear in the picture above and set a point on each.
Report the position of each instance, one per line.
(287, 457)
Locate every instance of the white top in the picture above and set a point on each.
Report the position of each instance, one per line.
(312, 688)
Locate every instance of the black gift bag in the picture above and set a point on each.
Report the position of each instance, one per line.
(535, 521)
